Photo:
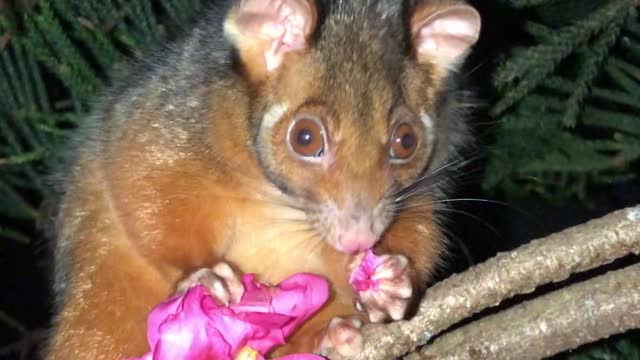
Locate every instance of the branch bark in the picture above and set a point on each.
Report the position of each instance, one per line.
(559, 321)
(542, 261)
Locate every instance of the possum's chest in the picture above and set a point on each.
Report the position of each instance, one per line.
(275, 245)
(267, 244)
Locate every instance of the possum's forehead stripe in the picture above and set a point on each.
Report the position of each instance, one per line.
(273, 115)
(427, 121)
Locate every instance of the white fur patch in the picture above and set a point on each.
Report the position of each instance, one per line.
(429, 126)
(273, 115)
(270, 118)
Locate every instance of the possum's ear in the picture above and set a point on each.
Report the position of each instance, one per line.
(443, 34)
(265, 31)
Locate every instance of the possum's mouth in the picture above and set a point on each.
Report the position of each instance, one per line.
(354, 229)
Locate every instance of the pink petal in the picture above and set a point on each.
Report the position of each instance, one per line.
(195, 327)
(297, 297)
(179, 328)
(301, 357)
(300, 296)
(361, 277)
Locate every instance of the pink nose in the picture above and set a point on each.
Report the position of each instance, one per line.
(356, 238)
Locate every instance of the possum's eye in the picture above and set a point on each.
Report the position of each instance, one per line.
(404, 142)
(307, 137)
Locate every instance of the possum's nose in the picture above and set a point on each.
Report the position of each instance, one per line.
(355, 240)
(355, 235)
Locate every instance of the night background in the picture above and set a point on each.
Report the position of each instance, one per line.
(573, 155)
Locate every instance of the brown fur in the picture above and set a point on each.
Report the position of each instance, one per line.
(171, 178)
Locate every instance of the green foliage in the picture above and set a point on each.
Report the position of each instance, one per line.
(622, 347)
(54, 58)
(568, 115)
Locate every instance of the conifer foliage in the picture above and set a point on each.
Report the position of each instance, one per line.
(55, 57)
(569, 109)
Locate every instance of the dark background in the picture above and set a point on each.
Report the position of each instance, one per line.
(478, 229)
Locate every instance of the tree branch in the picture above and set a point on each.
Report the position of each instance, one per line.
(542, 261)
(559, 321)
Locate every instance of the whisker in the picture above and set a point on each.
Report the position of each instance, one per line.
(466, 252)
(478, 219)
(303, 241)
(282, 221)
(445, 201)
(431, 187)
(408, 191)
(475, 68)
(318, 245)
(413, 205)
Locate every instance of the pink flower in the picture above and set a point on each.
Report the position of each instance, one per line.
(361, 278)
(193, 326)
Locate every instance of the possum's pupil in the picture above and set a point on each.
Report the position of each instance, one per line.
(305, 137)
(408, 141)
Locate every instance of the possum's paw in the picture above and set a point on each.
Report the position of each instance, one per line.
(342, 336)
(221, 281)
(391, 297)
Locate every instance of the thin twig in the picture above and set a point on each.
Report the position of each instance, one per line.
(11, 322)
(542, 261)
(28, 339)
(545, 326)
(25, 345)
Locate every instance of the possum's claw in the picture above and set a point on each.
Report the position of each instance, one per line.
(221, 281)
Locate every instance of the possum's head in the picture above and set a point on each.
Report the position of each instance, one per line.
(348, 98)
